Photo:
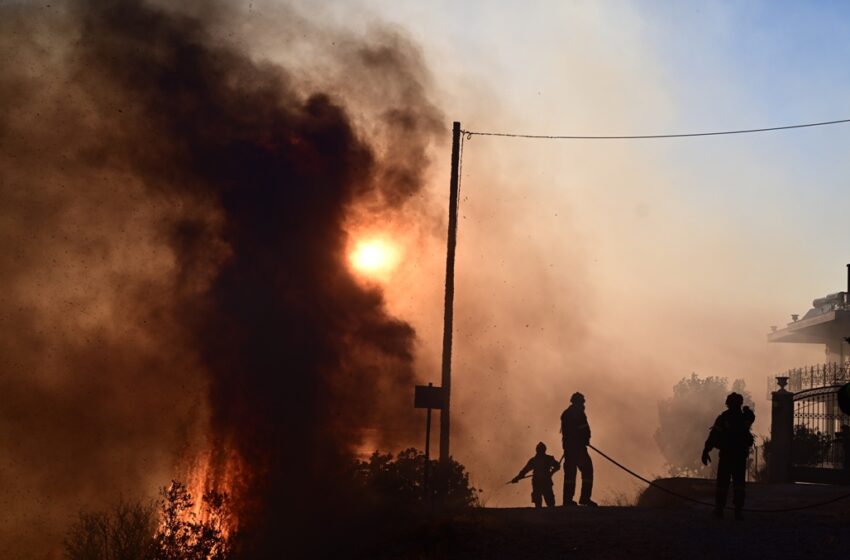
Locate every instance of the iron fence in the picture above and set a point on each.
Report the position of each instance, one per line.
(811, 377)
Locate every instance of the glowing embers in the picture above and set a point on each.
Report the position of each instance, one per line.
(374, 258)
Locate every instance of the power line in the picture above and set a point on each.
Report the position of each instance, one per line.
(470, 133)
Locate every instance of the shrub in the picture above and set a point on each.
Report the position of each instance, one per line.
(134, 531)
(120, 533)
(809, 447)
(398, 481)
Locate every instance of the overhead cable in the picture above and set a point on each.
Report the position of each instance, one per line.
(470, 133)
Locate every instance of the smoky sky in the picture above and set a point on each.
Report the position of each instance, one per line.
(174, 267)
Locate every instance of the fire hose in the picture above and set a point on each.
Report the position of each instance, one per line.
(696, 501)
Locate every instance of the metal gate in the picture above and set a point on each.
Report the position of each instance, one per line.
(819, 450)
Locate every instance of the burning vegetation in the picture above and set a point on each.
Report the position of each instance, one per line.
(179, 527)
(223, 328)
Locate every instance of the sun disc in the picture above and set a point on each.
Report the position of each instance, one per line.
(373, 257)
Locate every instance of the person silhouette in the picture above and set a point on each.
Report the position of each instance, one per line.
(731, 435)
(542, 466)
(575, 432)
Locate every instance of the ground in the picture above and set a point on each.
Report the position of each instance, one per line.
(657, 528)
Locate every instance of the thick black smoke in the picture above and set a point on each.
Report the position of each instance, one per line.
(247, 307)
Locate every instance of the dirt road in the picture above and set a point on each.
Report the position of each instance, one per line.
(668, 529)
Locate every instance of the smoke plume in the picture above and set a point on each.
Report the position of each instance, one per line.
(175, 275)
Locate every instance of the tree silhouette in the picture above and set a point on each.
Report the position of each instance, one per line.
(686, 417)
(185, 535)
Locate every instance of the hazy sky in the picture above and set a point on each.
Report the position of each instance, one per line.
(646, 67)
(637, 262)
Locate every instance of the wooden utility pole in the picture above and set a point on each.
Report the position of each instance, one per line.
(448, 313)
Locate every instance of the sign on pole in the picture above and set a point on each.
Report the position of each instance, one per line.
(428, 396)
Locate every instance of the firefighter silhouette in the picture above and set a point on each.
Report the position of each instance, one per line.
(542, 467)
(731, 435)
(575, 432)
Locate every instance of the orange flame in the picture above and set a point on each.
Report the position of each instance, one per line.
(211, 481)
